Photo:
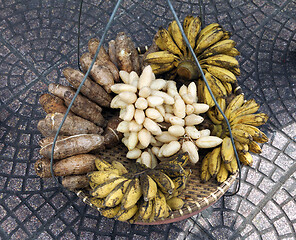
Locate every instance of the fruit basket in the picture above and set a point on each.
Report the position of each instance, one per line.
(201, 190)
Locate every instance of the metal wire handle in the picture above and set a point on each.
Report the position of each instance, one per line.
(94, 59)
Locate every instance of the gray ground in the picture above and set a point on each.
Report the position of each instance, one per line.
(38, 39)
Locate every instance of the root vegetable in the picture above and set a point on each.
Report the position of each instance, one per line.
(90, 89)
(134, 57)
(73, 125)
(176, 130)
(112, 52)
(171, 148)
(191, 148)
(58, 89)
(52, 104)
(123, 52)
(134, 154)
(85, 108)
(75, 182)
(78, 164)
(166, 137)
(121, 87)
(49, 140)
(44, 129)
(73, 145)
(103, 58)
(144, 137)
(152, 126)
(193, 119)
(111, 135)
(99, 73)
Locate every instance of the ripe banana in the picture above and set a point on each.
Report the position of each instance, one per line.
(148, 186)
(110, 212)
(241, 147)
(171, 169)
(236, 102)
(102, 164)
(193, 30)
(160, 205)
(254, 147)
(222, 175)
(212, 115)
(251, 119)
(175, 32)
(181, 159)
(241, 136)
(132, 194)
(248, 107)
(228, 87)
(231, 167)
(218, 48)
(119, 166)
(205, 31)
(215, 161)
(115, 196)
(160, 57)
(227, 152)
(163, 181)
(97, 202)
(221, 73)
(175, 203)
(165, 42)
(145, 209)
(222, 104)
(124, 215)
(205, 174)
(187, 20)
(222, 60)
(233, 52)
(105, 188)
(216, 86)
(245, 158)
(207, 97)
(162, 68)
(99, 177)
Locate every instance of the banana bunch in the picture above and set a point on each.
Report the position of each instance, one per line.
(141, 194)
(213, 48)
(243, 120)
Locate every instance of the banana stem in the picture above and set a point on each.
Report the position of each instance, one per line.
(188, 70)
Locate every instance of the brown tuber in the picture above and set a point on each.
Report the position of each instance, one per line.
(90, 89)
(111, 135)
(73, 145)
(75, 182)
(52, 104)
(78, 164)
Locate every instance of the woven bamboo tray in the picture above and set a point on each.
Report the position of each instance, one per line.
(197, 195)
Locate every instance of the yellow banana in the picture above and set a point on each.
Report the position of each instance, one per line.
(175, 203)
(221, 73)
(205, 174)
(232, 52)
(200, 90)
(132, 194)
(212, 115)
(207, 97)
(222, 175)
(209, 28)
(171, 169)
(241, 136)
(187, 20)
(115, 196)
(110, 212)
(181, 159)
(222, 104)
(228, 87)
(145, 209)
(248, 107)
(218, 48)
(231, 167)
(119, 166)
(99, 177)
(254, 147)
(217, 130)
(160, 205)
(160, 57)
(222, 60)
(148, 186)
(105, 188)
(97, 202)
(193, 30)
(208, 40)
(162, 68)
(165, 42)
(124, 215)
(164, 182)
(134, 218)
(226, 36)
(175, 32)
(102, 165)
(251, 119)
(241, 147)
(215, 161)
(227, 152)
(245, 158)
(236, 102)
(216, 86)
(253, 131)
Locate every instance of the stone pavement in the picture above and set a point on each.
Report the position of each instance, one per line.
(38, 38)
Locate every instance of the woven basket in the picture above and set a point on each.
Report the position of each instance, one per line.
(197, 195)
